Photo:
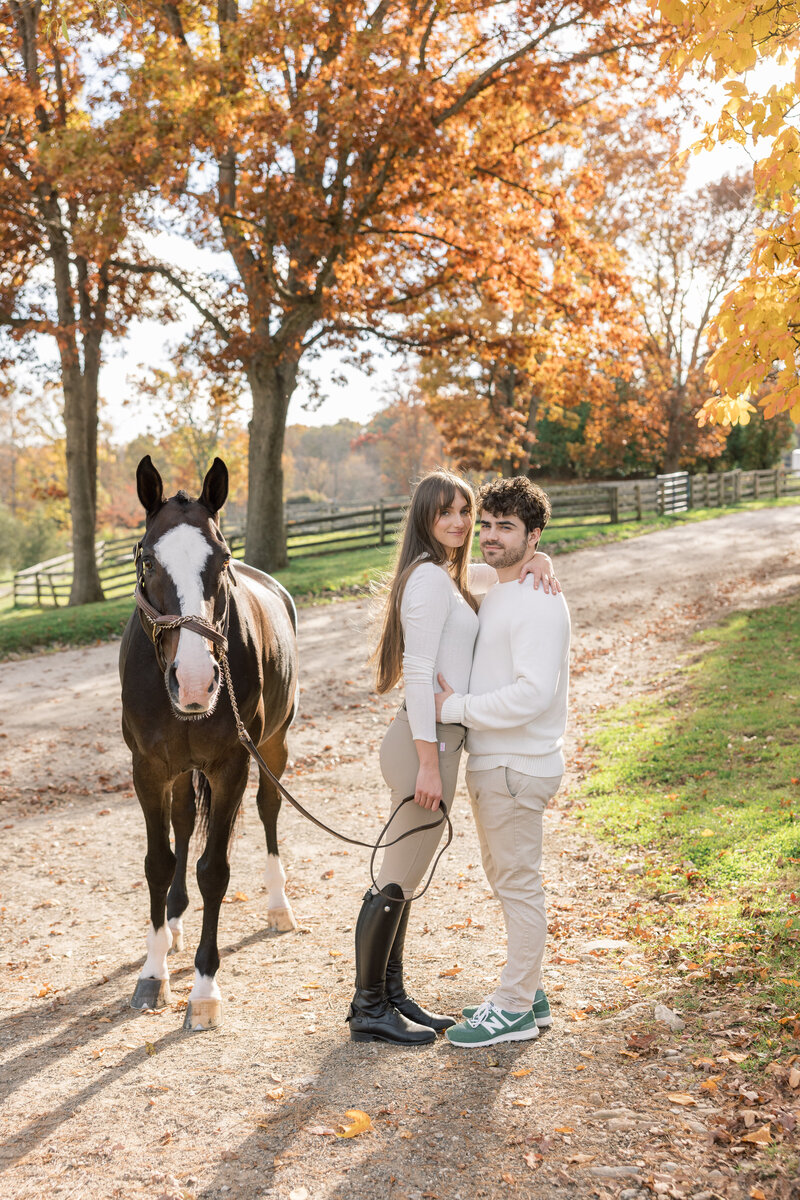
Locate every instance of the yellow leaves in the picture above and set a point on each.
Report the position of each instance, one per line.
(682, 1098)
(361, 1124)
(452, 971)
(522, 1072)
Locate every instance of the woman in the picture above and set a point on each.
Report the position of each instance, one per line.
(429, 628)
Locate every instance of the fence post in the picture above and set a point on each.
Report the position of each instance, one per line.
(383, 522)
(756, 485)
(777, 482)
(637, 495)
(613, 508)
(38, 591)
(737, 486)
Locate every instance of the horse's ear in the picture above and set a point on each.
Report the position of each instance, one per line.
(215, 487)
(149, 485)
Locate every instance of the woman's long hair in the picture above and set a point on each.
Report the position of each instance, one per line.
(434, 493)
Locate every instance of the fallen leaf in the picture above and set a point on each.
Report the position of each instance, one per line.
(327, 874)
(321, 1130)
(98, 1051)
(704, 1062)
(522, 1071)
(756, 1193)
(361, 1123)
(578, 1014)
(166, 1139)
(275, 1094)
(681, 1098)
(405, 1133)
(533, 1160)
(150, 1048)
(335, 953)
(523, 1102)
(563, 1129)
(582, 1158)
(732, 1056)
(581, 1067)
(794, 1078)
(452, 971)
(710, 1084)
(759, 1137)
(640, 1041)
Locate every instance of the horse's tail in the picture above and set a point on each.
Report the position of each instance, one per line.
(202, 800)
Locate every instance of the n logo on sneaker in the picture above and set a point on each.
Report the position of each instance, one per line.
(494, 1024)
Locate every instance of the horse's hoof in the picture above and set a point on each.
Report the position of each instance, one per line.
(177, 942)
(151, 993)
(281, 919)
(202, 1014)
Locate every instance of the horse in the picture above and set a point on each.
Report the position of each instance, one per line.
(194, 605)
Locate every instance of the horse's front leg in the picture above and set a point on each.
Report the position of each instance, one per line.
(213, 874)
(154, 792)
(279, 910)
(183, 817)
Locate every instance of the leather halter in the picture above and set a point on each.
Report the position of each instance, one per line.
(154, 623)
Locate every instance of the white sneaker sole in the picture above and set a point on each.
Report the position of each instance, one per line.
(519, 1035)
(544, 1023)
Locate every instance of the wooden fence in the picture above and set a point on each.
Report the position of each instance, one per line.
(48, 583)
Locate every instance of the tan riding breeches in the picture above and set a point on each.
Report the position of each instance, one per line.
(407, 862)
(508, 808)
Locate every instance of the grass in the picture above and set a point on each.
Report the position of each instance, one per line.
(312, 579)
(703, 788)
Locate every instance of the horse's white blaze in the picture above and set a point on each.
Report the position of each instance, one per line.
(158, 946)
(205, 988)
(183, 552)
(275, 879)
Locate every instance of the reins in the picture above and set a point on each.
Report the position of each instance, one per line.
(158, 622)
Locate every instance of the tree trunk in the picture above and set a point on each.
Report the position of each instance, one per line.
(80, 419)
(272, 384)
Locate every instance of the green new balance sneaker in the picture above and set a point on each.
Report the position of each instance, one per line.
(489, 1025)
(541, 1010)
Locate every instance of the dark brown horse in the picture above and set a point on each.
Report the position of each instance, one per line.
(180, 727)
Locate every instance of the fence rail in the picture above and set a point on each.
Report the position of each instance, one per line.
(48, 583)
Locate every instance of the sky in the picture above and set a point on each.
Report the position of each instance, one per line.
(363, 395)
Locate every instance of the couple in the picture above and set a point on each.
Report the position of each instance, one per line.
(509, 702)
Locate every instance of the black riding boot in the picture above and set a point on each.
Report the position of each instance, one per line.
(372, 1018)
(395, 990)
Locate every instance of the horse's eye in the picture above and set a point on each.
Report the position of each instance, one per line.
(147, 563)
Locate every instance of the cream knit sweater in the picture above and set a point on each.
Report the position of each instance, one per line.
(516, 708)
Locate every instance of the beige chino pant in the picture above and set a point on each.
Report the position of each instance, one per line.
(407, 862)
(508, 808)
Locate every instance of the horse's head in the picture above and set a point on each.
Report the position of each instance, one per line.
(183, 571)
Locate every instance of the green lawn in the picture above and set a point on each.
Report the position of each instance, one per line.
(702, 788)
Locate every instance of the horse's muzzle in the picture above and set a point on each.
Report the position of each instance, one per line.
(193, 697)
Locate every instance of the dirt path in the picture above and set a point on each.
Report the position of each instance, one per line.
(99, 1102)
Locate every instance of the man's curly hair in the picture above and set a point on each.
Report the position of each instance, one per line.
(517, 497)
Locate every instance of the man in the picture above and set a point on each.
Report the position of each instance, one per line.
(515, 714)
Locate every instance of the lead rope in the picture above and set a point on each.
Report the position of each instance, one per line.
(250, 746)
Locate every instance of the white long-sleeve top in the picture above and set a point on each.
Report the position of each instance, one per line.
(439, 631)
(515, 709)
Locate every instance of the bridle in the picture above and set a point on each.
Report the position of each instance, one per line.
(154, 623)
